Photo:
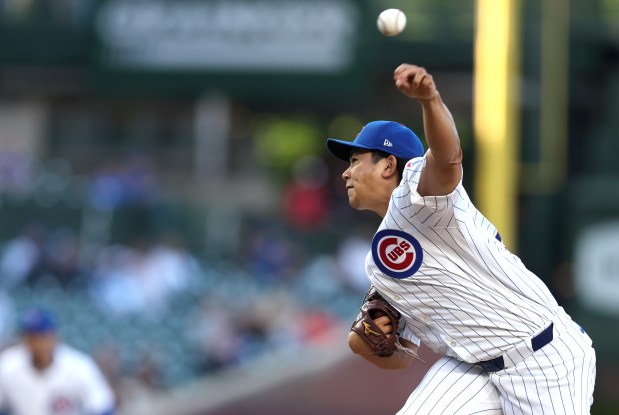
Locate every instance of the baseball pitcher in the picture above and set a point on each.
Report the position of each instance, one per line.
(441, 275)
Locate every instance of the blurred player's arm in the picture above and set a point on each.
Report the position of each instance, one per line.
(99, 399)
(443, 169)
(398, 360)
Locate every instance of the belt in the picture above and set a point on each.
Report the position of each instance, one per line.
(537, 342)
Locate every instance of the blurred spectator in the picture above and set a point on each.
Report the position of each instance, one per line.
(129, 380)
(305, 200)
(213, 334)
(113, 288)
(148, 370)
(63, 256)
(318, 282)
(168, 268)
(128, 183)
(228, 334)
(319, 327)
(42, 376)
(22, 259)
(142, 278)
(17, 173)
(272, 255)
(106, 186)
(350, 260)
(139, 180)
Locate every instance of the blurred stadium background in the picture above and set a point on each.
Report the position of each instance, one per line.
(165, 189)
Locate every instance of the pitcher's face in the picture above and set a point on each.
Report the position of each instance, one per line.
(361, 177)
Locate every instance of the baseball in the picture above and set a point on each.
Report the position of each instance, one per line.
(391, 22)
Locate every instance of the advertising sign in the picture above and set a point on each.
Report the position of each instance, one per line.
(231, 35)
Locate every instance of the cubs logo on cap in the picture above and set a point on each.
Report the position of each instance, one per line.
(387, 136)
(397, 254)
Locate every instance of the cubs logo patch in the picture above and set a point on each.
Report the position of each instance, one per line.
(396, 253)
(61, 405)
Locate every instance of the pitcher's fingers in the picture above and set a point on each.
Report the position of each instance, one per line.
(403, 67)
(405, 78)
(407, 71)
(427, 81)
(382, 320)
(402, 84)
(418, 79)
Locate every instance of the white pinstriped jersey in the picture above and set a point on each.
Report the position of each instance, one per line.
(71, 385)
(440, 262)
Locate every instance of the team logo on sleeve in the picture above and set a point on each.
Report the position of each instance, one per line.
(396, 253)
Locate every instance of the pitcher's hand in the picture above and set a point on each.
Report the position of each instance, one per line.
(415, 82)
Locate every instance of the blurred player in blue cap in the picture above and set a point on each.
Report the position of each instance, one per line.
(43, 376)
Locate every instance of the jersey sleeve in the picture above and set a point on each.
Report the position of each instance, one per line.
(430, 211)
(98, 396)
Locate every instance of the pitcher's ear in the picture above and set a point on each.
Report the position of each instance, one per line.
(391, 166)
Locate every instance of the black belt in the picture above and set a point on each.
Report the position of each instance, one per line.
(537, 342)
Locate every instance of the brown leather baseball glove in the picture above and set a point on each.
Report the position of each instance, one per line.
(374, 306)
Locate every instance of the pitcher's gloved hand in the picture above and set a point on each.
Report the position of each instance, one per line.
(375, 306)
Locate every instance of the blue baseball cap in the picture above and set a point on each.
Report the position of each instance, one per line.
(38, 321)
(387, 136)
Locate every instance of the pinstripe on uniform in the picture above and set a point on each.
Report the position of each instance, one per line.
(473, 300)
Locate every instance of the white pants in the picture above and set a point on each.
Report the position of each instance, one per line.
(557, 379)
